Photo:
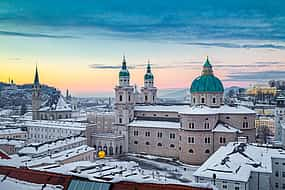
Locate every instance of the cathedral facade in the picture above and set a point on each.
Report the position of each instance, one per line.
(189, 133)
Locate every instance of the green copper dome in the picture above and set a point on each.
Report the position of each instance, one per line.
(124, 70)
(148, 75)
(207, 82)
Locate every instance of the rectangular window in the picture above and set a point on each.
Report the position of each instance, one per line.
(172, 135)
(191, 125)
(191, 140)
(206, 125)
(136, 133)
(159, 134)
(207, 140)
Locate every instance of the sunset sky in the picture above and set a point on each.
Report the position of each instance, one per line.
(79, 44)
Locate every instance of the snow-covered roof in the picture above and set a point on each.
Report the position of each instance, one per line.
(107, 135)
(55, 103)
(56, 124)
(236, 161)
(225, 128)
(16, 143)
(225, 109)
(162, 108)
(61, 156)
(199, 110)
(12, 183)
(155, 124)
(29, 150)
(11, 131)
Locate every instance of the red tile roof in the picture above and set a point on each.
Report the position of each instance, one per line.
(151, 186)
(34, 176)
(3, 155)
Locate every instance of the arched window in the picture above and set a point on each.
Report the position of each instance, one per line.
(191, 151)
(159, 144)
(172, 146)
(129, 98)
(207, 151)
(105, 149)
(121, 149)
(111, 150)
(194, 100)
(147, 143)
(214, 100)
(121, 98)
(222, 140)
(145, 98)
(203, 100)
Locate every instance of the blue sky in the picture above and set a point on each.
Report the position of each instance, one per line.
(93, 35)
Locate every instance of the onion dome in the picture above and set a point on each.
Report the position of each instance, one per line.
(124, 70)
(148, 75)
(207, 82)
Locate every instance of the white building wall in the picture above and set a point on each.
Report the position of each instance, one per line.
(39, 134)
(224, 184)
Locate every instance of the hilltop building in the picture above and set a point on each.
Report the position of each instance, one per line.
(189, 133)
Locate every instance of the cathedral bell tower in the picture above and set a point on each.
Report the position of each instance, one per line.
(36, 101)
(124, 104)
(149, 92)
(124, 92)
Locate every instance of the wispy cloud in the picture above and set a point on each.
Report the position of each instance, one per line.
(256, 76)
(235, 45)
(33, 35)
(185, 22)
(194, 65)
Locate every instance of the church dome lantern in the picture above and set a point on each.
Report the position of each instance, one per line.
(207, 82)
(207, 89)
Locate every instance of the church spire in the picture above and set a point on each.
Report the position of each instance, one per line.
(36, 79)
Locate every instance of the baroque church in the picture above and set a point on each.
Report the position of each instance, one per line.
(189, 133)
(54, 108)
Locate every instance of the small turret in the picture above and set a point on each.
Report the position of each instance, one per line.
(124, 75)
(149, 91)
(148, 77)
